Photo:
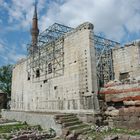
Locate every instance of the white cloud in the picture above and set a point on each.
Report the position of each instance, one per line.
(21, 12)
(112, 17)
(10, 55)
(15, 57)
(108, 16)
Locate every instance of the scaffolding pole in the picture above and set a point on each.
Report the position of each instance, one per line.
(51, 54)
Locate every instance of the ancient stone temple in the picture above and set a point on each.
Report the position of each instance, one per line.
(57, 76)
(67, 70)
(61, 76)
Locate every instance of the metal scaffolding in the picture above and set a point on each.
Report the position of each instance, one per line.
(104, 59)
(52, 33)
(49, 58)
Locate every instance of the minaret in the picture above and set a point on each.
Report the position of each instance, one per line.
(34, 29)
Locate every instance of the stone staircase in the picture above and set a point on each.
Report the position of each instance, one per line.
(72, 126)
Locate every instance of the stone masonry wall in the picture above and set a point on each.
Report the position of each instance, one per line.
(74, 91)
(46, 121)
(127, 118)
(122, 104)
(127, 59)
(118, 91)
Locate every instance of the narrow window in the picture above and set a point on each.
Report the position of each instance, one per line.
(55, 87)
(37, 73)
(28, 78)
(49, 68)
(124, 76)
(45, 81)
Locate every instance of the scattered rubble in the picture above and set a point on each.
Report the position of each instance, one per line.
(21, 131)
(122, 137)
(3, 121)
(122, 100)
(100, 128)
(114, 112)
(33, 134)
(132, 103)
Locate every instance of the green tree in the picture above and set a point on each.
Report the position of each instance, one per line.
(6, 79)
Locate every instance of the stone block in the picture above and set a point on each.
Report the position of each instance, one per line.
(112, 137)
(121, 118)
(132, 109)
(138, 138)
(134, 138)
(134, 119)
(65, 132)
(137, 103)
(129, 103)
(137, 111)
(121, 111)
(116, 118)
(70, 137)
(134, 125)
(116, 123)
(126, 111)
(126, 118)
(125, 124)
(112, 113)
(82, 137)
(124, 137)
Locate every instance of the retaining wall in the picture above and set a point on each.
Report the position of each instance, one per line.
(45, 120)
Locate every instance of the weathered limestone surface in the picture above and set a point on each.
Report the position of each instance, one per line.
(121, 92)
(46, 121)
(127, 59)
(74, 91)
(126, 118)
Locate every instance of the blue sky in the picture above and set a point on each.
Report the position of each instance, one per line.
(118, 20)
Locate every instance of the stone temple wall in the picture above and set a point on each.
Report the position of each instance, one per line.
(127, 60)
(128, 118)
(73, 91)
(46, 121)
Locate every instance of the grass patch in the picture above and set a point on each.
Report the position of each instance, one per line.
(80, 126)
(101, 135)
(9, 128)
(17, 127)
(125, 131)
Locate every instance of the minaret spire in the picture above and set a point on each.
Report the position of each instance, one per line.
(35, 10)
(34, 29)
